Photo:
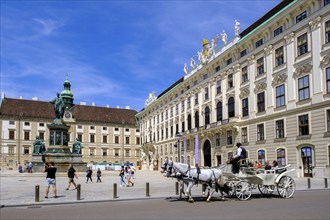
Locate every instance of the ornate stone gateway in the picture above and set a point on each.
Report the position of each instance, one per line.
(58, 151)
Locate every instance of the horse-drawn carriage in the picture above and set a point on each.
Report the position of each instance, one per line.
(249, 178)
(239, 185)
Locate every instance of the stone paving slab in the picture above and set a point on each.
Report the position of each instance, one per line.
(19, 189)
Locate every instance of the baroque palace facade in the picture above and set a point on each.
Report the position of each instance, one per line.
(268, 88)
(108, 135)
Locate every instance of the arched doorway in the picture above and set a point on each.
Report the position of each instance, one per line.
(207, 153)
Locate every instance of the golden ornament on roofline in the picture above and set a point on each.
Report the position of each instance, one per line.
(205, 42)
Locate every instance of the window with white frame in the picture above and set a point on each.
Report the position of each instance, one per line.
(245, 107)
(182, 106)
(11, 134)
(177, 109)
(328, 120)
(91, 151)
(280, 96)
(327, 72)
(217, 140)
(219, 111)
(196, 98)
(303, 88)
(279, 56)
(244, 74)
(302, 44)
(92, 138)
(206, 93)
(104, 152)
(260, 66)
(229, 137)
(301, 16)
(244, 134)
(243, 53)
(261, 156)
(278, 31)
(259, 43)
(261, 101)
(279, 129)
(231, 107)
(280, 156)
(303, 125)
(218, 86)
(188, 102)
(230, 81)
(116, 152)
(260, 132)
(327, 31)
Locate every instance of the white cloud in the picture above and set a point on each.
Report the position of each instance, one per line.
(49, 25)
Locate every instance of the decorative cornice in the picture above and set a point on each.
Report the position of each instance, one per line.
(289, 38)
(302, 69)
(279, 79)
(268, 50)
(260, 87)
(315, 23)
(244, 93)
(325, 61)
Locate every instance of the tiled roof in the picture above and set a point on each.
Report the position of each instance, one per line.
(40, 109)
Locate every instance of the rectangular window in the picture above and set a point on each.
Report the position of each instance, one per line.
(92, 128)
(126, 140)
(79, 126)
(328, 120)
(188, 102)
(105, 139)
(229, 137)
(11, 135)
(260, 66)
(80, 137)
(244, 135)
(137, 140)
(230, 81)
(278, 31)
(27, 123)
(104, 152)
(243, 53)
(217, 68)
(303, 86)
(177, 109)
(182, 106)
(42, 135)
(116, 129)
(91, 151)
(280, 129)
(279, 56)
(12, 122)
(217, 140)
(41, 124)
(196, 99)
(11, 150)
(301, 16)
(116, 152)
(92, 138)
(280, 96)
(127, 153)
(26, 135)
(245, 107)
(229, 61)
(104, 128)
(327, 72)
(205, 76)
(302, 44)
(259, 43)
(303, 125)
(260, 132)
(326, 2)
(327, 31)
(26, 150)
(116, 139)
(206, 93)
(195, 82)
(218, 86)
(261, 101)
(244, 74)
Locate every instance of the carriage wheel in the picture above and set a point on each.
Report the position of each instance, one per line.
(266, 190)
(286, 187)
(243, 190)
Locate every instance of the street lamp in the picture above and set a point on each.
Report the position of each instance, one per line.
(123, 147)
(178, 135)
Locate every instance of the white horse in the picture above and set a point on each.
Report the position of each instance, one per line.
(191, 176)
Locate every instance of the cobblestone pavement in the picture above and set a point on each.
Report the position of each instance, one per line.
(19, 189)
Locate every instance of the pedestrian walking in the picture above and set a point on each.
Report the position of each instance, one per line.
(133, 172)
(71, 175)
(121, 175)
(98, 174)
(51, 179)
(20, 168)
(128, 175)
(89, 173)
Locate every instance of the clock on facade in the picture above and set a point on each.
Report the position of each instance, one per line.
(67, 115)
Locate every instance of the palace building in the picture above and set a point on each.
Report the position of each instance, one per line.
(268, 88)
(108, 135)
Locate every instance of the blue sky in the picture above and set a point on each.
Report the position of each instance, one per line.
(114, 52)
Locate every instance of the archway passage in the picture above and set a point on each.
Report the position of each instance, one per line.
(207, 153)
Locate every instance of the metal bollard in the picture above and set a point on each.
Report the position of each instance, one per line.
(308, 183)
(36, 193)
(78, 191)
(115, 191)
(147, 190)
(325, 183)
(176, 188)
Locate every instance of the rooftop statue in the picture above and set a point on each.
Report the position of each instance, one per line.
(152, 97)
(237, 27)
(185, 69)
(192, 63)
(224, 37)
(59, 106)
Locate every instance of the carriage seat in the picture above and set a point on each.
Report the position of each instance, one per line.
(249, 170)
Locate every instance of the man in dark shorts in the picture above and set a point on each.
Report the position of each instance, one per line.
(71, 175)
(51, 178)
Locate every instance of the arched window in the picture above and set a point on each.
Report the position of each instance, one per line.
(261, 157)
(231, 107)
(219, 111)
(280, 154)
(197, 119)
(207, 115)
(189, 122)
